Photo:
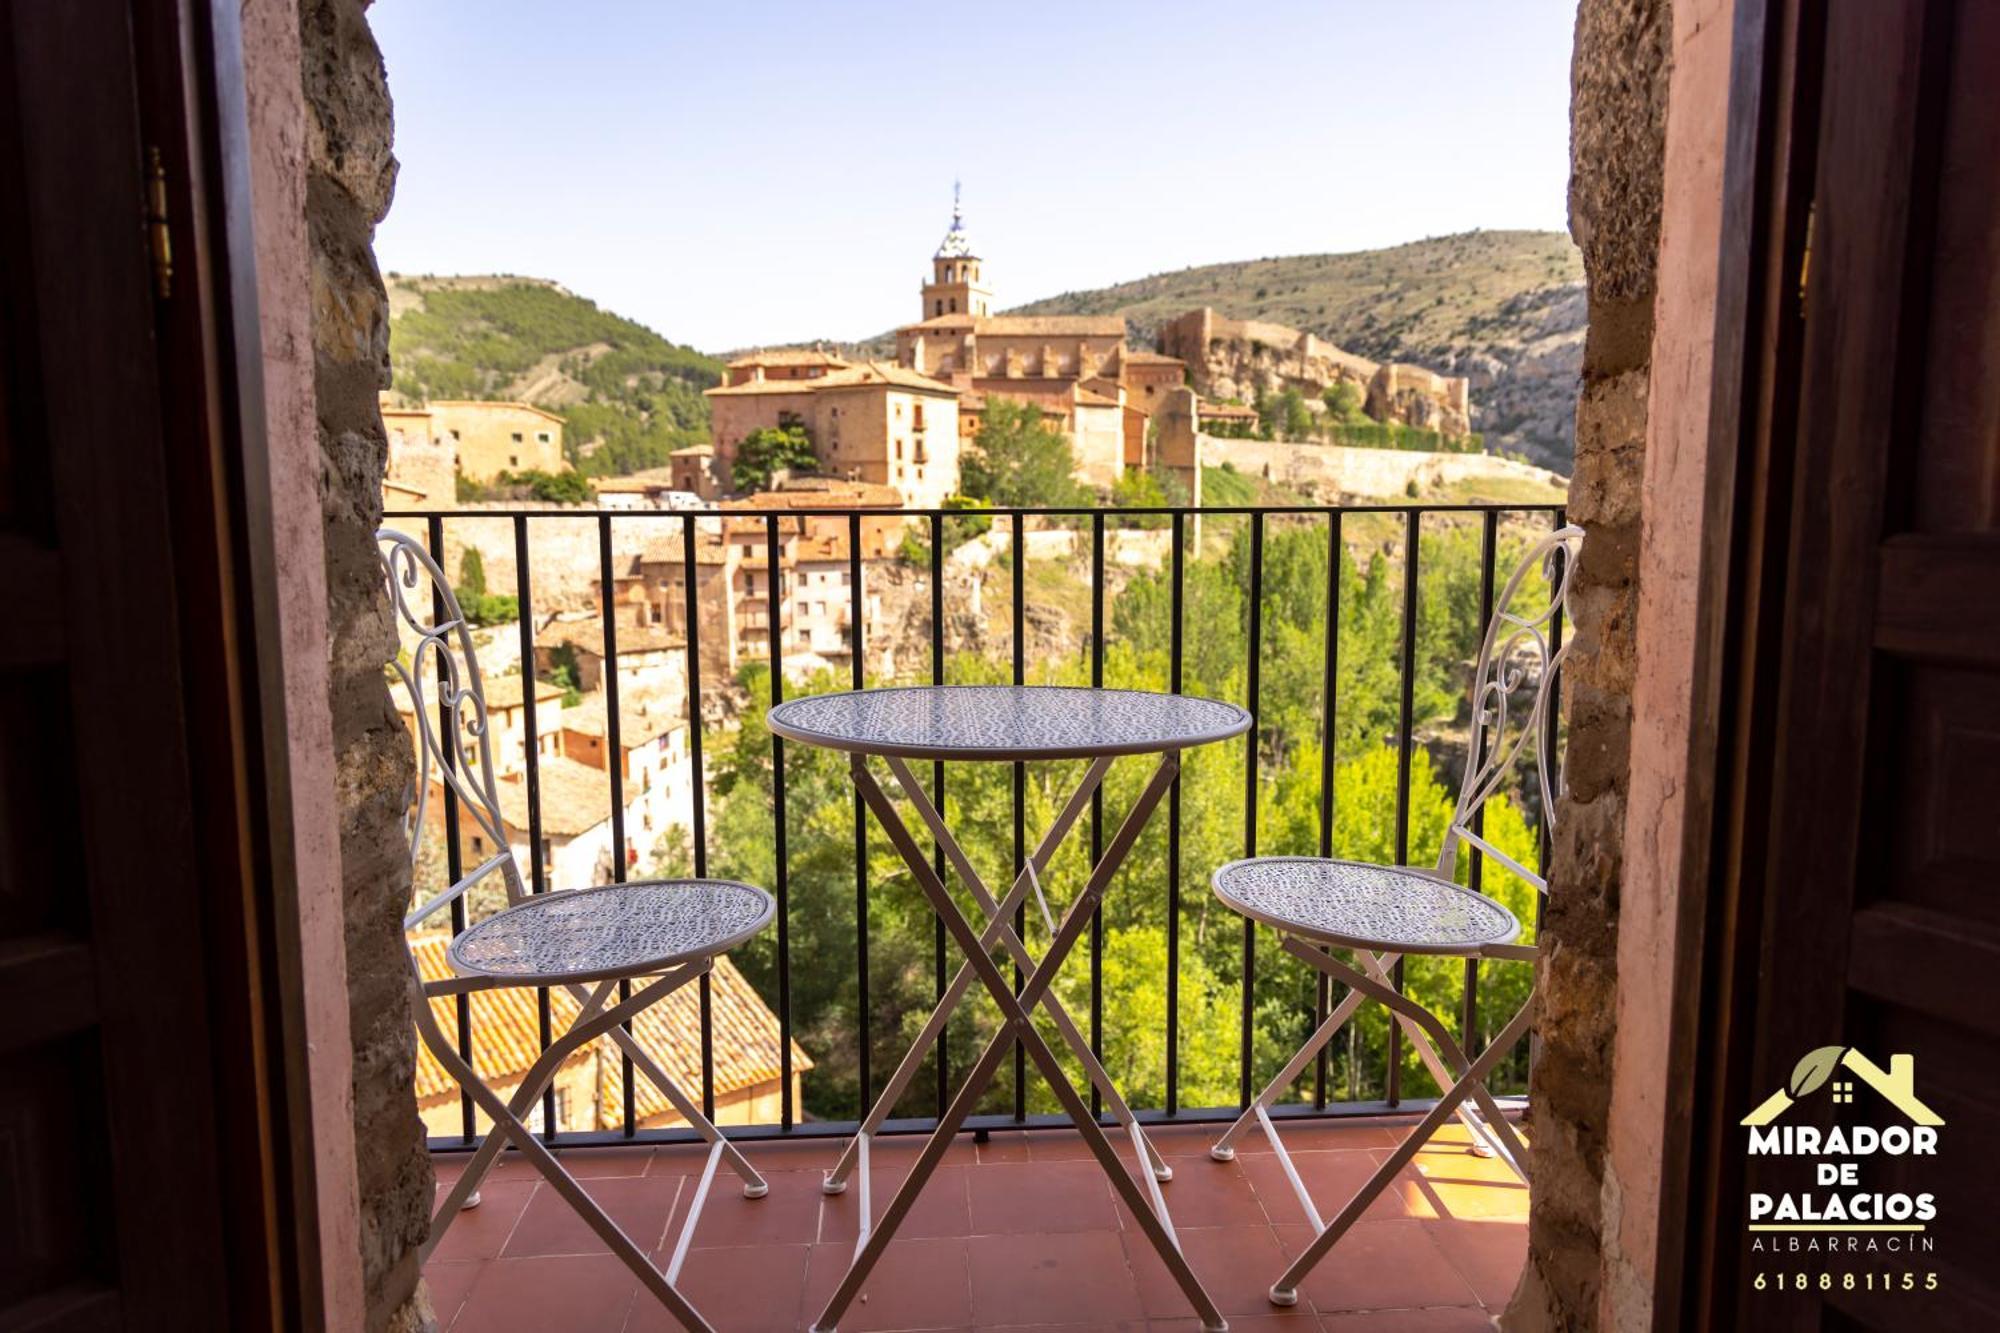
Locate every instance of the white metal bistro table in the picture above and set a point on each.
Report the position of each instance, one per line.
(1008, 723)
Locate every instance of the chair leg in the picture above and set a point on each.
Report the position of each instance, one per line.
(1285, 1290)
(1224, 1148)
(754, 1185)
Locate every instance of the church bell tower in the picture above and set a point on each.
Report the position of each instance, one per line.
(956, 287)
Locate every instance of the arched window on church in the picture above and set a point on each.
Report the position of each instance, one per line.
(940, 308)
(954, 305)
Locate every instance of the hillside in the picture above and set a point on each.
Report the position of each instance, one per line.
(1504, 308)
(627, 395)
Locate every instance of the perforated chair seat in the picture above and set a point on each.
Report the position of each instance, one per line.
(1353, 904)
(619, 930)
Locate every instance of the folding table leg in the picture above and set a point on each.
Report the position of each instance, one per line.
(835, 1180)
(1017, 1010)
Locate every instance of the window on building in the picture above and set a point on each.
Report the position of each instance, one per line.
(541, 437)
(954, 305)
(513, 460)
(517, 437)
(917, 416)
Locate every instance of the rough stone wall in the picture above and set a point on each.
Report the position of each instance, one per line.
(351, 175)
(1617, 148)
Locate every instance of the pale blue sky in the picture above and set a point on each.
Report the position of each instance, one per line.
(740, 173)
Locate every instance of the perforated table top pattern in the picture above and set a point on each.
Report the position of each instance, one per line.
(1006, 721)
(1367, 906)
(617, 930)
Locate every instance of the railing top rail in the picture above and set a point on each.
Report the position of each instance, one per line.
(995, 511)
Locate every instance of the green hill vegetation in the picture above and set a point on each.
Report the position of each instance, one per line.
(628, 396)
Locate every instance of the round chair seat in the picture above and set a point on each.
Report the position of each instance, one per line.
(1360, 906)
(615, 931)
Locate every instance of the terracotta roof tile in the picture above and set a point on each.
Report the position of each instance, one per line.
(575, 797)
(506, 1027)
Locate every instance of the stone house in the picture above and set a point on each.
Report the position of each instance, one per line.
(651, 657)
(494, 437)
(653, 761)
(873, 423)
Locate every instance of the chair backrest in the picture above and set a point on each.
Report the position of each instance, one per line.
(437, 667)
(1516, 657)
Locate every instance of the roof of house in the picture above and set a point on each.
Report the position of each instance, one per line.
(642, 717)
(575, 797)
(821, 493)
(506, 691)
(694, 451)
(506, 1037)
(588, 636)
(1025, 326)
(789, 356)
(1091, 398)
(1233, 411)
(868, 375)
(436, 403)
(1138, 356)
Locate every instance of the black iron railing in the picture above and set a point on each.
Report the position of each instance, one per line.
(792, 1121)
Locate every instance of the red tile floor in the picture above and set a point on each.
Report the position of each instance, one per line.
(1022, 1232)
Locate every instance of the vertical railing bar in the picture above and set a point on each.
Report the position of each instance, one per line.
(454, 859)
(692, 643)
(1174, 834)
(774, 637)
(1020, 613)
(943, 1048)
(1097, 806)
(1404, 741)
(1489, 554)
(1251, 743)
(1329, 714)
(614, 764)
(524, 590)
(857, 647)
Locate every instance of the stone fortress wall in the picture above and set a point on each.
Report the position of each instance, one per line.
(1243, 358)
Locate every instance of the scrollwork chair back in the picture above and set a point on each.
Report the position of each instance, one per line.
(440, 671)
(1517, 652)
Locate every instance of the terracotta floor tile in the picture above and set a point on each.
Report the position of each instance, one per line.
(1453, 1183)
(640, 1205)
(449, 1285)
(1022, 1197)
(600, 1163)
(744, 1287)
(1387, 1265)
(942, 1208)
(899, 1150)
(1195, 1140)
(1083, 1275)
(788, 1215)
(922, 1284)
(578, 1294)
(1444, 1319)
(1004, 1145)
(1292, 1321)
(1489, 1255)
(479, 1233)
(1207, 1193)
(1331, 1178)
(1235, 1264)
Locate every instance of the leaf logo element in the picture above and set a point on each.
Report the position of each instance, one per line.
(1814, 1069)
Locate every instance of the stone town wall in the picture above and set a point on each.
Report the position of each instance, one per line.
(1241, 359)
(1325, 470)
(350, 177)
(1617, 148)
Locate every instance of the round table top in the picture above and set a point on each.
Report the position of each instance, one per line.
(1356, 905)
(614, 930)
(1006, 721)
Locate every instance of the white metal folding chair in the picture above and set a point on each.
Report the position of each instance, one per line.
(1381, 913)
(657, 935)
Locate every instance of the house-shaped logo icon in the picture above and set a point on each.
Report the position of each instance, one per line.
(1897, 1084)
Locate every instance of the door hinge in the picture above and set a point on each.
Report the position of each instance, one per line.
(159, 236)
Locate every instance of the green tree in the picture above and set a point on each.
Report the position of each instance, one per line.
(769, 449)
(1343, 404)
(1019, 459)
